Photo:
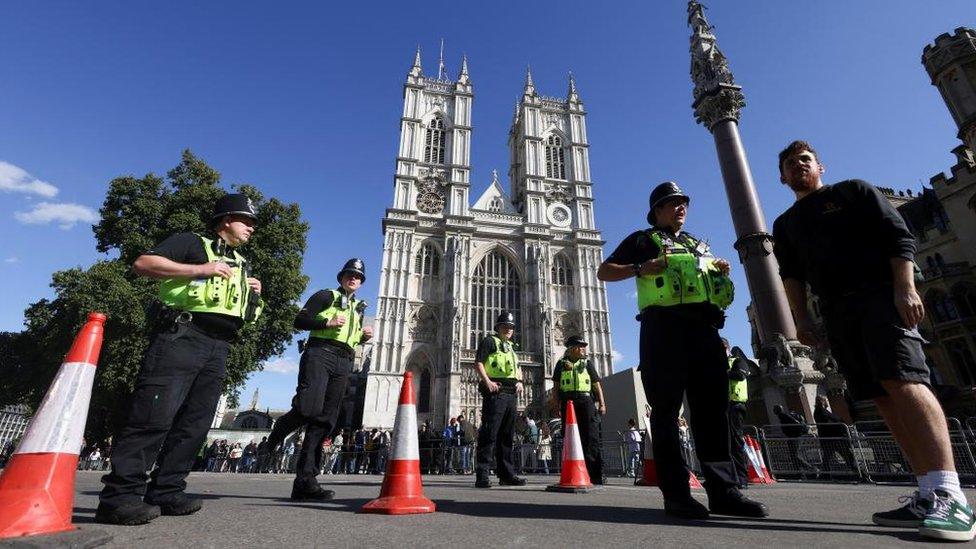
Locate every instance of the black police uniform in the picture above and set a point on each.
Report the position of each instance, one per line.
(737, 414)
(587, 418)
(323, 374)
(498, 411)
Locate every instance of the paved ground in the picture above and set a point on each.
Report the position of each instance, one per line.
(254, 510)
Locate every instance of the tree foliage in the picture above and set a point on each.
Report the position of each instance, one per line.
(138, 213)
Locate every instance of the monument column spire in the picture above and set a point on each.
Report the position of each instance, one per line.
(718, 102)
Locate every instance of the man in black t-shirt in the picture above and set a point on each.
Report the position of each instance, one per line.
(856, 254)
(209, 295)
(681, 352)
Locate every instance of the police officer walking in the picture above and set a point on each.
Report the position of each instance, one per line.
(575, 380)
(738, 397)
(498, 370)
(335, 321)
(208, 295)
(682, 291)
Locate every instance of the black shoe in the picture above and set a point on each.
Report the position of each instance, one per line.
(177, 504)
(685, 508)
(733, 503)
(128, 514)
(314, 493)
(482, 483)
(514, 481)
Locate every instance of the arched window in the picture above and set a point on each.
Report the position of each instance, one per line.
(929, 262)
(495, 287)
(939, 261)
(964, 298)
(423, 397)
(562, 272)
(940, 306)
(495, 205)
(555, 159)
(562, 282)
(962, 359)
(435, 141)
(428, 261)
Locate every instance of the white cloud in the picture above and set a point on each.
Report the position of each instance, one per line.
(14, 179)
(616, 355)
(66, 215)
(282, 365)
(12, 259)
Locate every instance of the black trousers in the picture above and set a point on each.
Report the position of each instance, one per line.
(681, 353)
(589, 430)
(737, 414)
(176, 393)
(323, 373)
(496, 434)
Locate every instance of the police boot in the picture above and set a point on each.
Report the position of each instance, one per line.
(310, 492)
(128, 514)
(733, 503)
(176, 504)
(514, 481)
(482, 481)
(686, 507)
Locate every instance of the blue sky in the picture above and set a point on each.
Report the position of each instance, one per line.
(303, 100)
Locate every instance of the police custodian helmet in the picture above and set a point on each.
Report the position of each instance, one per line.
(505, 319)
(575, 341)
(234, 204)
(353, 266)
(664, 191)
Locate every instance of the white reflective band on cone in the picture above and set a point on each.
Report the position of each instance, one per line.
(59, 424)
(753, 458)
(572, 446)
(405, 434)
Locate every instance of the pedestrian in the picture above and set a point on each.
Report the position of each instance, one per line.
(575, 380)
(795, 427)
(207, 296)
(632, 438)
(855, 252)
(450, 430)
(337, 441)
(834, 438)
(262, 455)
(499, 384)
(426, 454)
(738, 397)
(234, 458)
(544, 450)
(334, 319)
(682, 293)
(469, 435)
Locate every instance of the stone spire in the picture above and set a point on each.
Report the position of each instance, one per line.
(416, 69)
(254, 400)
(529, 84)
(572, 95)
(441, 75)
(463, 75)
(717, 97)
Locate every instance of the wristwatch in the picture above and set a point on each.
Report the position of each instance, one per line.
(637, 268)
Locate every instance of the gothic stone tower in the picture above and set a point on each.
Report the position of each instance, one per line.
(449, 267)
(951, 63)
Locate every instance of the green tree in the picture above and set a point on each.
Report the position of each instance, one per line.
(138, 213)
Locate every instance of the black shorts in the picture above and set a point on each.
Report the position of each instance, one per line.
(870, 343)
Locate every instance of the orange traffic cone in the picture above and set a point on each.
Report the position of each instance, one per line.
(758, 474)
(574, 477)
(38, 484)
(402, 492)
(650, 470)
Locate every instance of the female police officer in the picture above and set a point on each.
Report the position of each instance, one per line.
(681, 292)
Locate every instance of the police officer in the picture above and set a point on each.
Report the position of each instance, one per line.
(500, 385)
(334, 319)
(207, 295)
(682, 291)
(738, 397)
(576, 380)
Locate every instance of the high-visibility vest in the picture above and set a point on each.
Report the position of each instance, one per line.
(575, 378)
(502, 364)
(231, 297)
(350, 333)
(738, 388)
(690, 276)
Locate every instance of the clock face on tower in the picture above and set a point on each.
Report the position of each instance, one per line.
(431, 203)
(559, 215)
